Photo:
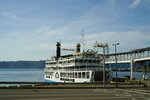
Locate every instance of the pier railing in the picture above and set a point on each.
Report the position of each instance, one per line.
(129, 56)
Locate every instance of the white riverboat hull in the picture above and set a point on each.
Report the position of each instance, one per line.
(77, 76)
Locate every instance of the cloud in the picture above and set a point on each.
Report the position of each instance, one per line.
(35, 44)
(10, 15)
(40, 43)
(113, 2)
(101, 23)
(128, 39)
(148, 1)
(135, 3)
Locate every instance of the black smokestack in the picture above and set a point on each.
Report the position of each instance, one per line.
(78, 48)
(58, 52)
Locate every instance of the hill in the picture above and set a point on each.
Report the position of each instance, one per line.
(22, 64)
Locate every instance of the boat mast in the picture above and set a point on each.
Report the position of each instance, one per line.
(83, 44)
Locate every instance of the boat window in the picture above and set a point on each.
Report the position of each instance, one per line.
(64, 74)
(73, 80)
(50, 73)
(83, 74)
(60, 62)
(97, 61)
(79, 75)
(89, 60)
(87, 75)
(67, 75)
(71, 75)
(61, 74)
(75, 75)
(80, 61)
(47, 76)
(94, 61)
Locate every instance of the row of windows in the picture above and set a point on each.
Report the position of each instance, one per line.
(49, 73)
(48, 77)
(65, 79)
(76, 75)
(83, 75)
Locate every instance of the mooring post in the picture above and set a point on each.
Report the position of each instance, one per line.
(131, 69)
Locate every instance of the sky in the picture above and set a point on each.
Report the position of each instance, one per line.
(29, 29)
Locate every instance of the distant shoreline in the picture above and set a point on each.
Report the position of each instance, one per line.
(22, 64)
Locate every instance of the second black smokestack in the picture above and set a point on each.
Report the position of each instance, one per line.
(58, 50)
(78, 48)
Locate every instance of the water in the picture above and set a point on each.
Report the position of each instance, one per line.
(136, 75)
(37, 75)
(22, 74)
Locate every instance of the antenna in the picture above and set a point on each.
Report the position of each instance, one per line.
(83, 44)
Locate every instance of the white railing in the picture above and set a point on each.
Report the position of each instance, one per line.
(127, 57)
(78, 69)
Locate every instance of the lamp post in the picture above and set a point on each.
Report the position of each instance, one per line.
(104, 65)
(116, 62)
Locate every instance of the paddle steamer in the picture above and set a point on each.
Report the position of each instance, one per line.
(80, 67)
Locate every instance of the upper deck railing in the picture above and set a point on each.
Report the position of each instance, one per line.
(72, 58)
(77, 69)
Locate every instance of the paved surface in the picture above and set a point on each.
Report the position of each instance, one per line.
(74, 94)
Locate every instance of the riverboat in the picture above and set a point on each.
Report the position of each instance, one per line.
(79, 67)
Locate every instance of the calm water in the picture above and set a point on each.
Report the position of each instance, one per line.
(37, 75)
(22, 74)
(137, 75)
